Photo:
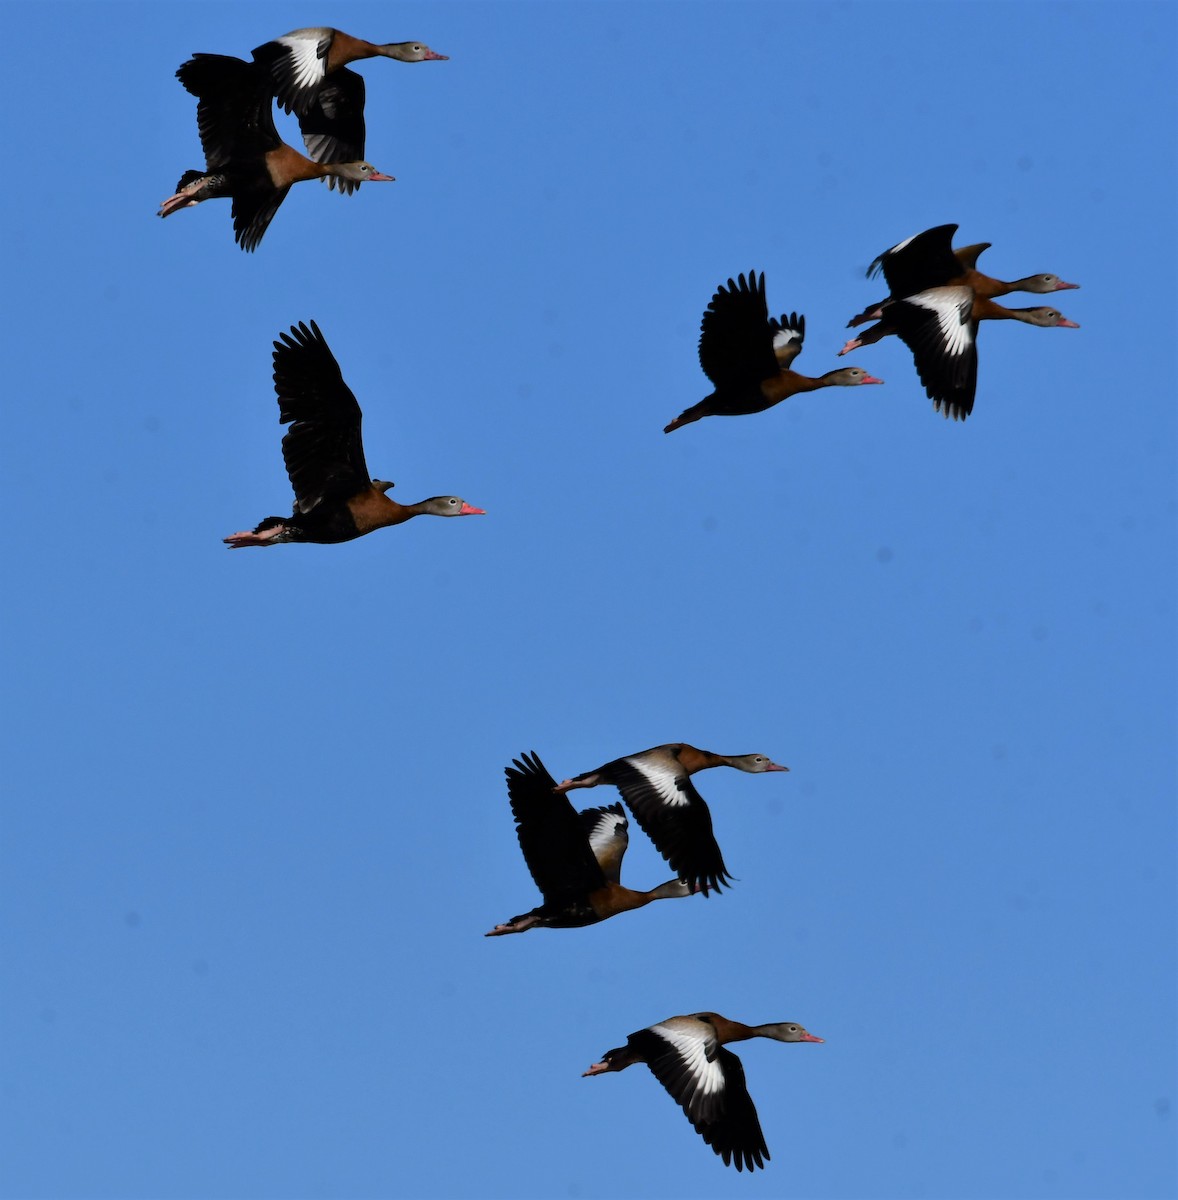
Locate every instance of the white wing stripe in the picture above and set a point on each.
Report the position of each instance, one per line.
(950, 306)
(662, 780)
(693, 1050)
(607, 830)
(306, 67)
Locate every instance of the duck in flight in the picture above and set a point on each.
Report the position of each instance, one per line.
(335, 498)
(309, 77)
(574, 858)
(686, 1055)
(656, 786)
(245, 159)
(747, 355)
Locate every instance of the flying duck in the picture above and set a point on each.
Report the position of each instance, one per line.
(335, 498)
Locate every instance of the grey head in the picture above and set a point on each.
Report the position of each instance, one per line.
(357, 172)
(448, 506)
(754, 764)
(1041, 284)
(411, 52)
(1046, 318)
(848, 377)
(787, 1031)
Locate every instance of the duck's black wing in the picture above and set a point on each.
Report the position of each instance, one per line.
(234, 111)
(925, 260)
(551, 835)
(333, 125)
(735, 338)
(672, 814)
(708, 1083)
(323, 450)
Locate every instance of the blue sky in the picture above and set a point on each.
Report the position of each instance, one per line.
(257, 824)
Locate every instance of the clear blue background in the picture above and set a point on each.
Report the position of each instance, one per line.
(257, 824)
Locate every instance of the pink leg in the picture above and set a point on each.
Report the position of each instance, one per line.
(516, 926)
(582, 782)
(235, 541)
(182, 199)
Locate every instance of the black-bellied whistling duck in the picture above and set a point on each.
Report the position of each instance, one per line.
(307, 70)
(245, 158)
(686, 1055)
(299, 61)
(940, 327)
(657, 787)
(747, 356)
(928, 260)
(335, 498)
(574, 858)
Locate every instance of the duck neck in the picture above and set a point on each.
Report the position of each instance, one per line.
(806, 383)
(618, 899)
(986, 310)
(982, 285)
(733, 1031)
(1026, 315)
(692, 760)
(411, 510)
(830, 379)
(347, 49)
(287, 166)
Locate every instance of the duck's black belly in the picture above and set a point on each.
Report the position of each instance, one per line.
(326, 524)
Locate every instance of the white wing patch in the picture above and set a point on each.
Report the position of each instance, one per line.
(785, 337)
(663, 780)
(952, 306)
(308, 57)
(692, 1042)
(609, 829)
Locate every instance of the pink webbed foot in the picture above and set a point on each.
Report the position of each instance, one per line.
(853, 344)
(267, 537)
(172, 203)
(876, 314)
(515, 925)
(500, 930)
(184, 198)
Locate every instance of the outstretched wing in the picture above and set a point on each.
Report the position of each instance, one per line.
(923, 261)
(333, 125)
(323, 450)
(234, 113)
(708, 1083)
(296, 65)
(672, 814)
(253, 210)
(937, 326)
(551, 835)
(735, 338)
